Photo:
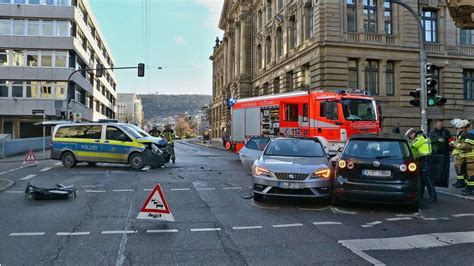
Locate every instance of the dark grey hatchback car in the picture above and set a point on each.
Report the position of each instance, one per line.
(377, 168)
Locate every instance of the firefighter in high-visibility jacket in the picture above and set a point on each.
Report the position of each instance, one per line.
(420, 145)
(459, 157)
(168, 135)
(467, 152)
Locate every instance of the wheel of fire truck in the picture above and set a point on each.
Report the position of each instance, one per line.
(228, 145)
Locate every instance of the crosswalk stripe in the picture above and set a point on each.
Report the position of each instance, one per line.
(27, 177)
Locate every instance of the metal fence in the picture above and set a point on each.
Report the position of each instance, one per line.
(10, 147)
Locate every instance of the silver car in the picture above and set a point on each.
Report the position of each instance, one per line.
(252, 151)
(295, 167)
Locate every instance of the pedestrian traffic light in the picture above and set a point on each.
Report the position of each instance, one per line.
(99, 70)
(141, 70)
(416, 97)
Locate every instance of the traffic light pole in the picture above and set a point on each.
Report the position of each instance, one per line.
(423, 59)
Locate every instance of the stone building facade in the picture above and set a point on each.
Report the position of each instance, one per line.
(275, 46)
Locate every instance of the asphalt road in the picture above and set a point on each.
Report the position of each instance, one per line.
(217, 222)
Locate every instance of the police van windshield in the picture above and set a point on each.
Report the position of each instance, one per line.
(139, 130)
(130, 130)
(359, 110)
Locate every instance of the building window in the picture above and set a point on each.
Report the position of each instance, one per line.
(268, 48)
(4, 57)
(46, 59)
(276, 85)
(430, 24)
(292, 34)
(4, 88)
(63, 28)
(33, 27)
(289, 81)
(467, 37)
(19, 27)
(34, 2)
(390, 79)
(17, 89)
(269, 10)
(309, 22)
(46, 90)
(370, 16)
(32, 58)
(4, 26)
(60, 59)
(279, 42)
(372, 77)
(259, 57)
(47, 28)
(265, 88)
(468, 84)
(31, 89)
(306, 76)
(353, 74)
(280, 4)
(351, 15)
(60, 89)
(387, 13)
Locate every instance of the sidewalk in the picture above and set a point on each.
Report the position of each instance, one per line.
(456, 192)
(21, 157)
(208, 144)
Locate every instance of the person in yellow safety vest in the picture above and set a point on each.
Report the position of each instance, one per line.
(155, 132)
(459, 161)
(169, 135)
(467, 148)
(421, 148)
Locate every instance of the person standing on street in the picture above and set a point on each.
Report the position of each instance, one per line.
(440, 144)
(421, 147)
(467, 152)
(155, 132)
(459, 161)
(169, 135)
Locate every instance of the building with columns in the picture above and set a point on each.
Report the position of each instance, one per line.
(275, 46)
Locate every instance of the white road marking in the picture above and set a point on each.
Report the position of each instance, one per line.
(3, 173)
(463, 215)
(264, 207)
(146, 168)
(286, 225)
(204, 229)
(336, 210)
(72, 233)
(180, 189)
(247, 227)
(398, 219)
(206, 188)
(325, 223)
(436, 219)
(123, 190)
(27, 177)
(147, 189)
(14, 192)
(455, 195)
(371, 224)
(358, 246)
(232, 188)
(94, 191)
(119, 232)
(28, 234)
(314, 209)
(58, 163)
(45, 169)
(162, 231)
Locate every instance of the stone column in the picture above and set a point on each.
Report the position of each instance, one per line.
(226, 59)
(244, 48)
(238, 50)
(230, 63)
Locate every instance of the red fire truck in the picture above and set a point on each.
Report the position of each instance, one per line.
(336, 116)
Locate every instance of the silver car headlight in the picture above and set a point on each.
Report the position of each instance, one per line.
(261, 171)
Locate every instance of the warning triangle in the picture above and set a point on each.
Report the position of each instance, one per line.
(155, 207)
(30, 158)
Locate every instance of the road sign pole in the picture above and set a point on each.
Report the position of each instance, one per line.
(44, 135)
(423, 59)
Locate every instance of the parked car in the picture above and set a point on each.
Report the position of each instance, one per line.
(252, 151)
(107, 142)
(293, 167)
(377, 168)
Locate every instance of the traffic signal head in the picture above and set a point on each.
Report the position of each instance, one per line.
(432, 92)
(430, 68)
(416, 97)
(431, 83)
(99, 71)
(415, 93)
(141, 70)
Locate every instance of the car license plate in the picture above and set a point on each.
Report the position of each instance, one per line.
(378, 173)
(288, 185)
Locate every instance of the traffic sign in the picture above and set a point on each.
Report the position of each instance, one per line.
(37, 111)
(155, 207)
(30, 158)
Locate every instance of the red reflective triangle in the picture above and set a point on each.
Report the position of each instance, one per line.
(156, 193)
(30, 157)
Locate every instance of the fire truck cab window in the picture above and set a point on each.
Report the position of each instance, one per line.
(329, 110)
(358, 109)
(291, 112)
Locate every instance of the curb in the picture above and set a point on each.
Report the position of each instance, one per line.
(202, 145)
(9, 183)
(455, 195)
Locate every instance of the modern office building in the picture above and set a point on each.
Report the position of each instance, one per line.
(130, 109)
(274, 46)
(41, 43)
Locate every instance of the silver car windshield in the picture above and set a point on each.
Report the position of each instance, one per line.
(294, 148)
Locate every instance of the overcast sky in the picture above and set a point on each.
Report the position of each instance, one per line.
(180, 38)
